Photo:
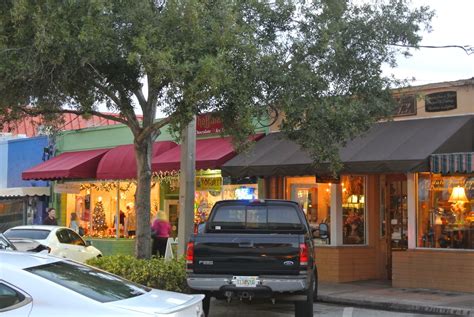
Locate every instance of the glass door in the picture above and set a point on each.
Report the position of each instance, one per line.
(396, 217)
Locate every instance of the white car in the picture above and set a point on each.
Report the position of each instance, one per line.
(62, 241)
(39, 285)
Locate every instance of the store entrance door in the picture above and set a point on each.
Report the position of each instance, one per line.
(396, 217)
(172, 211)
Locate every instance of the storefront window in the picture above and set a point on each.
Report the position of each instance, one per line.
(445, 211)
(353, 209)
(314, 198)
(97, 205)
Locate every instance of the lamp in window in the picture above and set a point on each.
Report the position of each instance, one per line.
(458, 198)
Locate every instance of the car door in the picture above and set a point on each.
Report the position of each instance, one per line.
(14, 302)
(73, 246)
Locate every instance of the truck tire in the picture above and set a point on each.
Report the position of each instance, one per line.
(206, 305)
(305, 308)
(315, 289)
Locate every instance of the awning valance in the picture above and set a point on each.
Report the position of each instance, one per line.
(120, 162)
(452, 163)
(24, 191)
(210, 154)
(388, 147)
(69, 165)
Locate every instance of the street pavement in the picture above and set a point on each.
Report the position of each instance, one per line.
(363, 298)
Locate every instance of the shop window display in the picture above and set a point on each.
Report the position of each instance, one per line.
(314, 198)
(97, 205)
(353, 209)
(445, 211)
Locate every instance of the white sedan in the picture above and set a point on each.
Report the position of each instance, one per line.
(62, 241)
(39, 285)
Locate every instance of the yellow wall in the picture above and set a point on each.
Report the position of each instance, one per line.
(447, 270)
(465, 98)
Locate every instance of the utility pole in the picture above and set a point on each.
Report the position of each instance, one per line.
(187, 186)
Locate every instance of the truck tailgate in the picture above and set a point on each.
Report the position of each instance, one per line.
(247, 254)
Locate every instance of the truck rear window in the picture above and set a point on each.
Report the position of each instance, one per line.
(273, 217)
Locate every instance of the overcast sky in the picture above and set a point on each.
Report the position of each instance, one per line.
(453, 24)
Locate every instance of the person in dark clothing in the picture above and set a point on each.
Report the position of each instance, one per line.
(51, 219)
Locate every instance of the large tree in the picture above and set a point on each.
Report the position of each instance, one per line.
(317, 62)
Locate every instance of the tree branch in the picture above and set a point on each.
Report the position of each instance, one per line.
(153, 127)
(468, 49)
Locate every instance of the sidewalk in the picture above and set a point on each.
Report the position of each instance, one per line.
(380, 295)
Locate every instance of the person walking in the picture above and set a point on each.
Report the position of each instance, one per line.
(50, 220)
(161, 229)
(73, 223)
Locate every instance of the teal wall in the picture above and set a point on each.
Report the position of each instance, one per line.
(99, 137)
(110, 136)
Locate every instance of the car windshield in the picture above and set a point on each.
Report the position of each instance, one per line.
(90, 282)
(5, 244)
(35, 234)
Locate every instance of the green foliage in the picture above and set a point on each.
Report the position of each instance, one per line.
(156, 272)
(319, 63)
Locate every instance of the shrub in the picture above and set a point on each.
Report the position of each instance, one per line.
(157, 273)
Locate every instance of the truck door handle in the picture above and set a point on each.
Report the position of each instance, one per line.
(246, 244)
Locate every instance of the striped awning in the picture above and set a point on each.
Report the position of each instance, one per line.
(452, 163)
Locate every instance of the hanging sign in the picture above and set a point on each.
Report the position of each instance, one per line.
(328, 178)
(441, 101)
(67, 188)
(208, 183)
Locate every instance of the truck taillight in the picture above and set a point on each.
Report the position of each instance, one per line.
(190, 253)
(303, 254)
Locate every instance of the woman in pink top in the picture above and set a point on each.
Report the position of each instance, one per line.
(161, 229)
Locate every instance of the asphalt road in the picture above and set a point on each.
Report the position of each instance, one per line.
(266, 309)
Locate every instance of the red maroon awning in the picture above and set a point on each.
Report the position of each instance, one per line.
(73, 165)
(120, 162)
(210, 154)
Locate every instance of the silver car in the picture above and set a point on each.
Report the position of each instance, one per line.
(62, 241)
(39, 285)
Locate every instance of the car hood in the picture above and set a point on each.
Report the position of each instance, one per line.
(158, 302)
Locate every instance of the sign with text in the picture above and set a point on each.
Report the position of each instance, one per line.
(208, 124)
(406, 106)
(208, 183)
(441, 101)
(67, 188)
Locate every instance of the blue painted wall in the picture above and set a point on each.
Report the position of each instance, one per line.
(23, 154)
(3, 163)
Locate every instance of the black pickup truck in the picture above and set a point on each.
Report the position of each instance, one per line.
(254, 249)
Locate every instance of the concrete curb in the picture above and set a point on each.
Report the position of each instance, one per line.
(401, 307)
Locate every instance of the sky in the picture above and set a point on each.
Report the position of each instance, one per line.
(453, 24)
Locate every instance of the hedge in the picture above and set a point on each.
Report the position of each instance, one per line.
(156, 273)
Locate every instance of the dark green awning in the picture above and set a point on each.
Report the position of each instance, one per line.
(452, 163)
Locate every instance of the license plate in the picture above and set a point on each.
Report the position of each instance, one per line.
(245, 281)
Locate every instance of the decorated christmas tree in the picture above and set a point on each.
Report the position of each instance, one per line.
(98, 217)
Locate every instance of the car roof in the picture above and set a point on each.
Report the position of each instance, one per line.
(38, 227)
(21, 260)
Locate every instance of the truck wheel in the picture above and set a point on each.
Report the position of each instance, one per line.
(206, 305)
(315, 289)
(305, 308)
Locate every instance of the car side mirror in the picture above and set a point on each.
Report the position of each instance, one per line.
(323, 231)
(88, 243)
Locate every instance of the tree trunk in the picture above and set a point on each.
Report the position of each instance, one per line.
(143, 152)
